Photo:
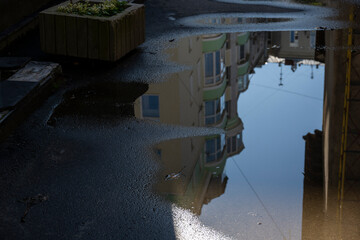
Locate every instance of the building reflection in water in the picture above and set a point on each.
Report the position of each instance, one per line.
(324, 216)
(331, 210)
(204, 96)
(241, 20)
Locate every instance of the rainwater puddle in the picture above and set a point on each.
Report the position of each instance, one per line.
(247, 182)
(309, 2)
(102, 99)
(239, 20)
(309, 15)
(264, 176)
(277, 97)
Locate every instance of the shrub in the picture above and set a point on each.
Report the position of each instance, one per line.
(104, 9)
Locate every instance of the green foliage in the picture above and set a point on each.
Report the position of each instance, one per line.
(311, 2)
(104, 9)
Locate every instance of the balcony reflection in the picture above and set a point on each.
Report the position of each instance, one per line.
(207, 94)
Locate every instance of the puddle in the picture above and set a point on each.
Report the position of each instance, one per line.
(307, 2)
(247, 84)
(240, 20)
(311, 16)
(220, 68)
(114, 99)
(266, 91)
(203, 178)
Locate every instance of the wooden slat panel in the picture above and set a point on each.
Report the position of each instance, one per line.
(49, 33)
(82, 37)
(142, 23)
(60, 34)
(112, 40)
(104, 40)
(139, 25)
(71, 36)
(132, 30)
(123, 36)
(136, 27)
(93, 38)
(119, 44)
(127, 34)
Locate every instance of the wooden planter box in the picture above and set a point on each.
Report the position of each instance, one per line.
(102, 38)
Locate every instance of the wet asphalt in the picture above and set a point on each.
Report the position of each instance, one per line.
(84, 150)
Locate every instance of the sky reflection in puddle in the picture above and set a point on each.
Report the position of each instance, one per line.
(265, 90)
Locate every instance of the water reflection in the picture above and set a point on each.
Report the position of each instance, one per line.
(221, 66)
(277, 105)
(332, 203)
(201, 161)
(207, 95)
(241, 20)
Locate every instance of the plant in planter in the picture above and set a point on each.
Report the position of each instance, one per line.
(104, 9)
(104, 30)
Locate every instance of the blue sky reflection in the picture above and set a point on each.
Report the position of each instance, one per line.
(275, 119)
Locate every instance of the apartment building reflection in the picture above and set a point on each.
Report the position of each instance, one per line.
(293, 49)
(206, 95)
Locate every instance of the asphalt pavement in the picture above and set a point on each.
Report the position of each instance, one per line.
(77, 169)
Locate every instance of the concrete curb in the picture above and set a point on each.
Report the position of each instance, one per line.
(24, 91)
